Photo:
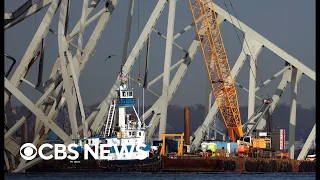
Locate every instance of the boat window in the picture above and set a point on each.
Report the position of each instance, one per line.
(129, 133)
(132, 133)
(124, 94)
(139, 133)
(130, 93)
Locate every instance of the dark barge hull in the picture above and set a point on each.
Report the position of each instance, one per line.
(147, 165)
(235, 164)
(180, 164)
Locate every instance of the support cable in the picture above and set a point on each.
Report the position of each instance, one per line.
(244, 39)
(139, 78)
(242, 48)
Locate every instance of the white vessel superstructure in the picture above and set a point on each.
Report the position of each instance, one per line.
(122, 130)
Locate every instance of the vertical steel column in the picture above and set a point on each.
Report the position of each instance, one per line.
(252, 87)
(77, 59)
(198, 134)
(167, 64)
(208, 102)
(295, 77)
(177, 79)
(99, 114)
(63, 45)
(253, 50)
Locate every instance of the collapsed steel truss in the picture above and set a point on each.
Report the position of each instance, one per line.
(62, 86)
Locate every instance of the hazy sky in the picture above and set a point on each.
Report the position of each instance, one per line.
(290, 24)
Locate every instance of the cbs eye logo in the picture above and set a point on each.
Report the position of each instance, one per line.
(28, 151)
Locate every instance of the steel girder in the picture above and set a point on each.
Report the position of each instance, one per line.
(52, 88)
(100, 113)
(66, 71)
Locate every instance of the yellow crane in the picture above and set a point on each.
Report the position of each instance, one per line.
(217, 64)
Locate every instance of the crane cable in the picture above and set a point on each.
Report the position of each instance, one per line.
(244, 39)
(139, 78)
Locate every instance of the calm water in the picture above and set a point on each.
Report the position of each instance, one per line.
(156, 176)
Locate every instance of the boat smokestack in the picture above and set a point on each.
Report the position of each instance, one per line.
(187, 125)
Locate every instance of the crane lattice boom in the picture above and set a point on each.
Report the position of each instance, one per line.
(217, 64)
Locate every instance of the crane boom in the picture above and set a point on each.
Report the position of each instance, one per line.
(217, 64)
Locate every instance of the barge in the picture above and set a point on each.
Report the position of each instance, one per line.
(214, 156)
(180, 164)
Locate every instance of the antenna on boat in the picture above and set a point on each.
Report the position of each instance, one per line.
(138, 109)
(143, 106)
(123, 77)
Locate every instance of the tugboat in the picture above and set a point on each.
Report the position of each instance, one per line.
(129, 130)
(121, 130)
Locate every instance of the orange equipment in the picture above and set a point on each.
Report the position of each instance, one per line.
(217, 64)
(243, 149)
(257, 141)
(163, 147)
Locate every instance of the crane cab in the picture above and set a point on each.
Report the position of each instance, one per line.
(262, 140)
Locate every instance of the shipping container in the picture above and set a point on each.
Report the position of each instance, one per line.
(278, 140)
